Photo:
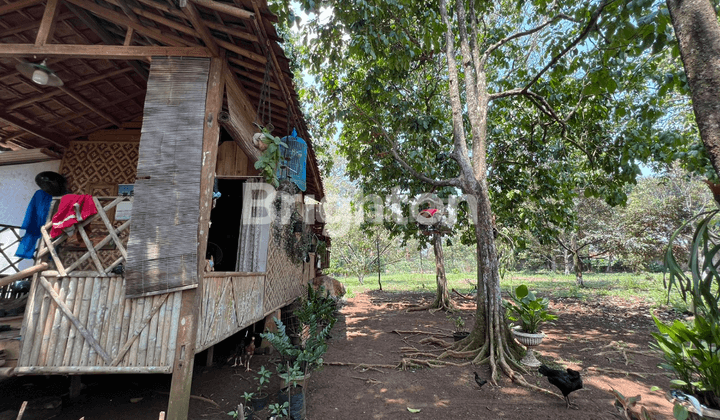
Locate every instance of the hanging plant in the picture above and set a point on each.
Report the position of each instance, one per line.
(270, 159)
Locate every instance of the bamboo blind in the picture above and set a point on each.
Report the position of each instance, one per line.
(162, 249)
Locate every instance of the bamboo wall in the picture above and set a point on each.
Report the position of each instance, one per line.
(84, 325)
(231, 302)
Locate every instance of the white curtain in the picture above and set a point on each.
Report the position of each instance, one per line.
(254, 236)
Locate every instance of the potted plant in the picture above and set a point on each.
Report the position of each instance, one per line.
(260, 399)
(531, 311)
(291, 394)
(460, 331)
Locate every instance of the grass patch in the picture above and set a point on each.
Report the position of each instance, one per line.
(648, 286)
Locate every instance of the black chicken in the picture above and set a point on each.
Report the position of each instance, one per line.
(479, 381)
(567, 381)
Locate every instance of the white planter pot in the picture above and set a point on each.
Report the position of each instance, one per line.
(529, 341)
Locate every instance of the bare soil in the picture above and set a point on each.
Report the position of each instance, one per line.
(602, 339)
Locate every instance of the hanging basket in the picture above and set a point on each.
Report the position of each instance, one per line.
(258, 143)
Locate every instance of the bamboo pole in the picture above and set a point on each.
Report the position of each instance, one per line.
(159, 335)
(30, 321)
(64, 285)
(54, 287)
(164, 342)
(131, 330)
(172, 342)
(138, 330)
(72, 335)
(89, 285)
(107, 317)
(116, 317)
(140, 310)
(22, 274)
(65, 323)
(99, 318)
(143, 346)
(84, 332)
(90, 247)
(51, 249)
(92, 319)
(100, 244)
(111, 229)
(127, 312)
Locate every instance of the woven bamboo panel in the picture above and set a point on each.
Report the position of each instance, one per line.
(88, 326)
(229, 304)
(162, 249)
(284, 281)
(87, 163)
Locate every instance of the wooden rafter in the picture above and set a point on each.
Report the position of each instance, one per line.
(89, 105)
(31, 25)
(55, 139)
(178, 26)
(231, 31)
(47, 25)
(226, 8)
(194, 17)
(120, 19)
(109, 52)
(18, 5)
(106, 37)
(50, 94)
(242, 51)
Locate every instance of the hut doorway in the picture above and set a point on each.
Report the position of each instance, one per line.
(225, 218)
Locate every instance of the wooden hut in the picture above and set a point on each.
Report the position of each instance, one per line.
(155, 107)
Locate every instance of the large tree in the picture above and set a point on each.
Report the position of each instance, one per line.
(507, 102)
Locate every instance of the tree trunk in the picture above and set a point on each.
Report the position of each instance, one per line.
(442, 299)
(610, 263)
(553, 263)
(577, 262)
(377, 242)
(421, 266)
(567, 261)
(698, 33)
(360, 278)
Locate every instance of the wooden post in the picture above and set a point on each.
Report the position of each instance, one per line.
(209, 356)
(75, 386)
(179, 403)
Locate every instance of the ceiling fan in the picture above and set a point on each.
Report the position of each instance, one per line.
(39, 73)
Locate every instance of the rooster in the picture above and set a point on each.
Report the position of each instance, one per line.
(248, 354)
(567, 381)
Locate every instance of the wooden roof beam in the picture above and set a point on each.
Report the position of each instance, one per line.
(50, 94)
(117, 18)
(226, 8)
(231, 31)
(47, 24)
(18, 5)
(194, 17)
(104, 35)
(31, 25)
(89, 105)
(108, 52)
(242, 51)
(53, 138)
(178, 26)
(241, 115)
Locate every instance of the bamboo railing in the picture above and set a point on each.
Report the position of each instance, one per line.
(10, 235)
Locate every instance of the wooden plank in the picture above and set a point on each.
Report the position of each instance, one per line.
(242, 51)
(242, 115)
(87, 104)
(226, 28)
(108, 52)
(89, 370)
(184, 358)
(229, 10)
(140, 327)
(202, 31)
(28, 156)
(47, 24)
(242, 274)
(72, 333)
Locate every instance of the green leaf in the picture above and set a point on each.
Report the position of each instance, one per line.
(680, 412)
(521, 291)
(413, 410)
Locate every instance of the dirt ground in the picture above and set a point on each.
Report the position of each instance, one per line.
(594, 337)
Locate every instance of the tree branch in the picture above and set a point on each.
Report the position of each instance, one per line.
(590, 25)
(531, 31)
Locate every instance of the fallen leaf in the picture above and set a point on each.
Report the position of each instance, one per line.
(134, 400)
(413, 410)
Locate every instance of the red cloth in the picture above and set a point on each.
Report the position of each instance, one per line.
(428, 212)
(65, 216)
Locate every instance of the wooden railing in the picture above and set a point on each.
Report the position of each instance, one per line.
(51, 246)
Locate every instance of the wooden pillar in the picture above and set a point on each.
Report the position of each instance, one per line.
(270, 326)
(179, 403)
(75, 386)
(209, 356)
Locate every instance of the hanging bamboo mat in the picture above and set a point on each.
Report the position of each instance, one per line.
(285, 281)
(229, 304)
(162, 249)
(85, 325)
